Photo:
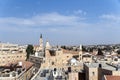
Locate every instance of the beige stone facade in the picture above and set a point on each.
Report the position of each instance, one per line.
(57, 61)
(7, 58)
(10, 53)
(74, 76)
(95, 71)
(62, 60)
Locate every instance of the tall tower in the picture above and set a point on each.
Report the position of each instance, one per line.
(47, 45)
(41, 43)
(80, 53)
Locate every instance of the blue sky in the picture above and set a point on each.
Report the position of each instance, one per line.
(70, 22)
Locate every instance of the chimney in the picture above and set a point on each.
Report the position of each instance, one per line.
(20, 63)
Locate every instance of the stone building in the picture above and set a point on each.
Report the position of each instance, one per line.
(96, 71)
(10, 53)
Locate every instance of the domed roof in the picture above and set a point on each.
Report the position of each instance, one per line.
(73, 60)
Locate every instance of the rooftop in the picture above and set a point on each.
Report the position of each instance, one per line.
(14, 68)
(50, 75)
(103, 66)
(110, 77)
(70, 51)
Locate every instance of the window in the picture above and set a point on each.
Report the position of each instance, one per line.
(52, 63)
(93, 73)
(115, 59)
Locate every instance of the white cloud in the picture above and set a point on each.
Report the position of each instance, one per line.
(15, 21)
(51, 21)
(80, 12)
(43, 19)
(67, 26)
(55, 19)
(111, 17)
(55, 22)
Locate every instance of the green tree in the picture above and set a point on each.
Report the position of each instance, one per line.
(29, 50)
(100, 52)
(63, 47)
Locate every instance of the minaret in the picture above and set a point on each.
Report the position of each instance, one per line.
(80, 53)
(41, 43)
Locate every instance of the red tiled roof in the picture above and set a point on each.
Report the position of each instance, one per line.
(110, 77)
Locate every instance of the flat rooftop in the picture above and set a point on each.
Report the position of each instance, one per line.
(103, 66)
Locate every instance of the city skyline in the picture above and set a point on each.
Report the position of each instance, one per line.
(60, 22)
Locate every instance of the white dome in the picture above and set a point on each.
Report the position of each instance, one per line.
(73, 60)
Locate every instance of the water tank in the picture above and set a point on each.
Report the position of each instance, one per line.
(11, 75)
(20, 63)
(55, 73)
(36, 54)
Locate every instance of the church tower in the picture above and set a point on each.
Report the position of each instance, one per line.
(80, 54)
(41, 43)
